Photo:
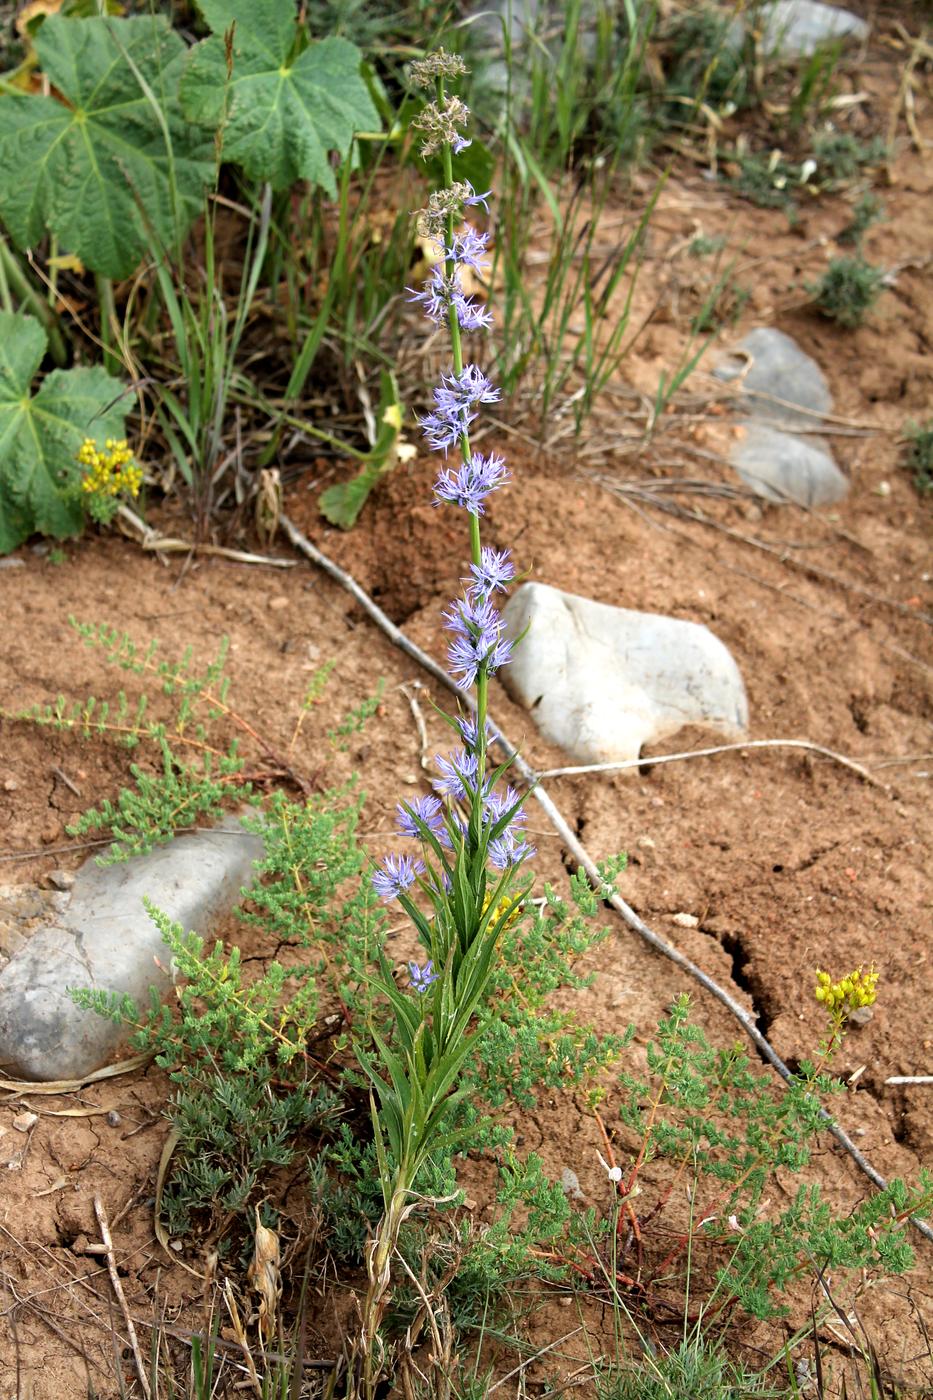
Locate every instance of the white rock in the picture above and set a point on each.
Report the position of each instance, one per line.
(797, 28)
(602, 681)
(104, 939)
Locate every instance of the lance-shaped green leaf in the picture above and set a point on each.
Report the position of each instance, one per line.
(341, 504)
(108, 165)
(40, 434)
(286, 103)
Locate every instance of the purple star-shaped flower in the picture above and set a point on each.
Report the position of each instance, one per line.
(469, 484)
(473, 199)
(422, 977)
(508, 851)
(427, 810)
(468, 249)
(456, 770)
(494, 571)
(398, 873)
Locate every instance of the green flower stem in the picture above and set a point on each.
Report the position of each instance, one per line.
(108, 324)
(482, 679)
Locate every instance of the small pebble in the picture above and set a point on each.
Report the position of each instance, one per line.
(114, 1119)
(570, 1184)
(24, 1121)
(59, 880)
(861, 1015)
(10, 785)
(277, 603)
(685, 920)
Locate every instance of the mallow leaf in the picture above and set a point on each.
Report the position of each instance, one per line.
(40, 433)
(285, 103)
(108, 167)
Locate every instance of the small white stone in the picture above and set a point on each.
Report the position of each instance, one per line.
(24, 1121)
(685, 920)
(59, 880)
(570, 1184)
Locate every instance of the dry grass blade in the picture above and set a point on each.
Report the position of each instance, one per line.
(652, 759)
(161, 1234)
(121, 1296)
(265, 1275)
(18, 1087)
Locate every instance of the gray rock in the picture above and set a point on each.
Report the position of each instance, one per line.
(780, 467)
(104, 939)
(782, 388)
(602, 681)
(519, 27)
(23, 909)
(797, 28)
(778, 379)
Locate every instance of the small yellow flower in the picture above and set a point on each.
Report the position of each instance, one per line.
(852, 992)
(111, 472)
(500, 909)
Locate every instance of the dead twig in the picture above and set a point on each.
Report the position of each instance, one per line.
(579, 852)
(417, 715)
(147, 538)
(121, 1296)
(650, 760)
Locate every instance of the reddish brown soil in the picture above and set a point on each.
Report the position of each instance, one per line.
(787, 860)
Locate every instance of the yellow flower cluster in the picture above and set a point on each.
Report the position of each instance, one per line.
(855, 990)
(500, 909)
(111, 471)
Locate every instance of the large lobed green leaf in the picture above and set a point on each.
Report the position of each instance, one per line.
(40, 434)
(283, 106)
(107, 166)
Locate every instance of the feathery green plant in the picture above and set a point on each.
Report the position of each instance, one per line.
(847, 290)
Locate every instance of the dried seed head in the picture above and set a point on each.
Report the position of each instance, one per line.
(437, 65)
(432, 222)
(441, 124)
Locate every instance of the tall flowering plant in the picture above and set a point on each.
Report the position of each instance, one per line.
(462, 886)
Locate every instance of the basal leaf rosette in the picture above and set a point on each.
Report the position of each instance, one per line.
(107, 164)
(41, 434)
(283, 104)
